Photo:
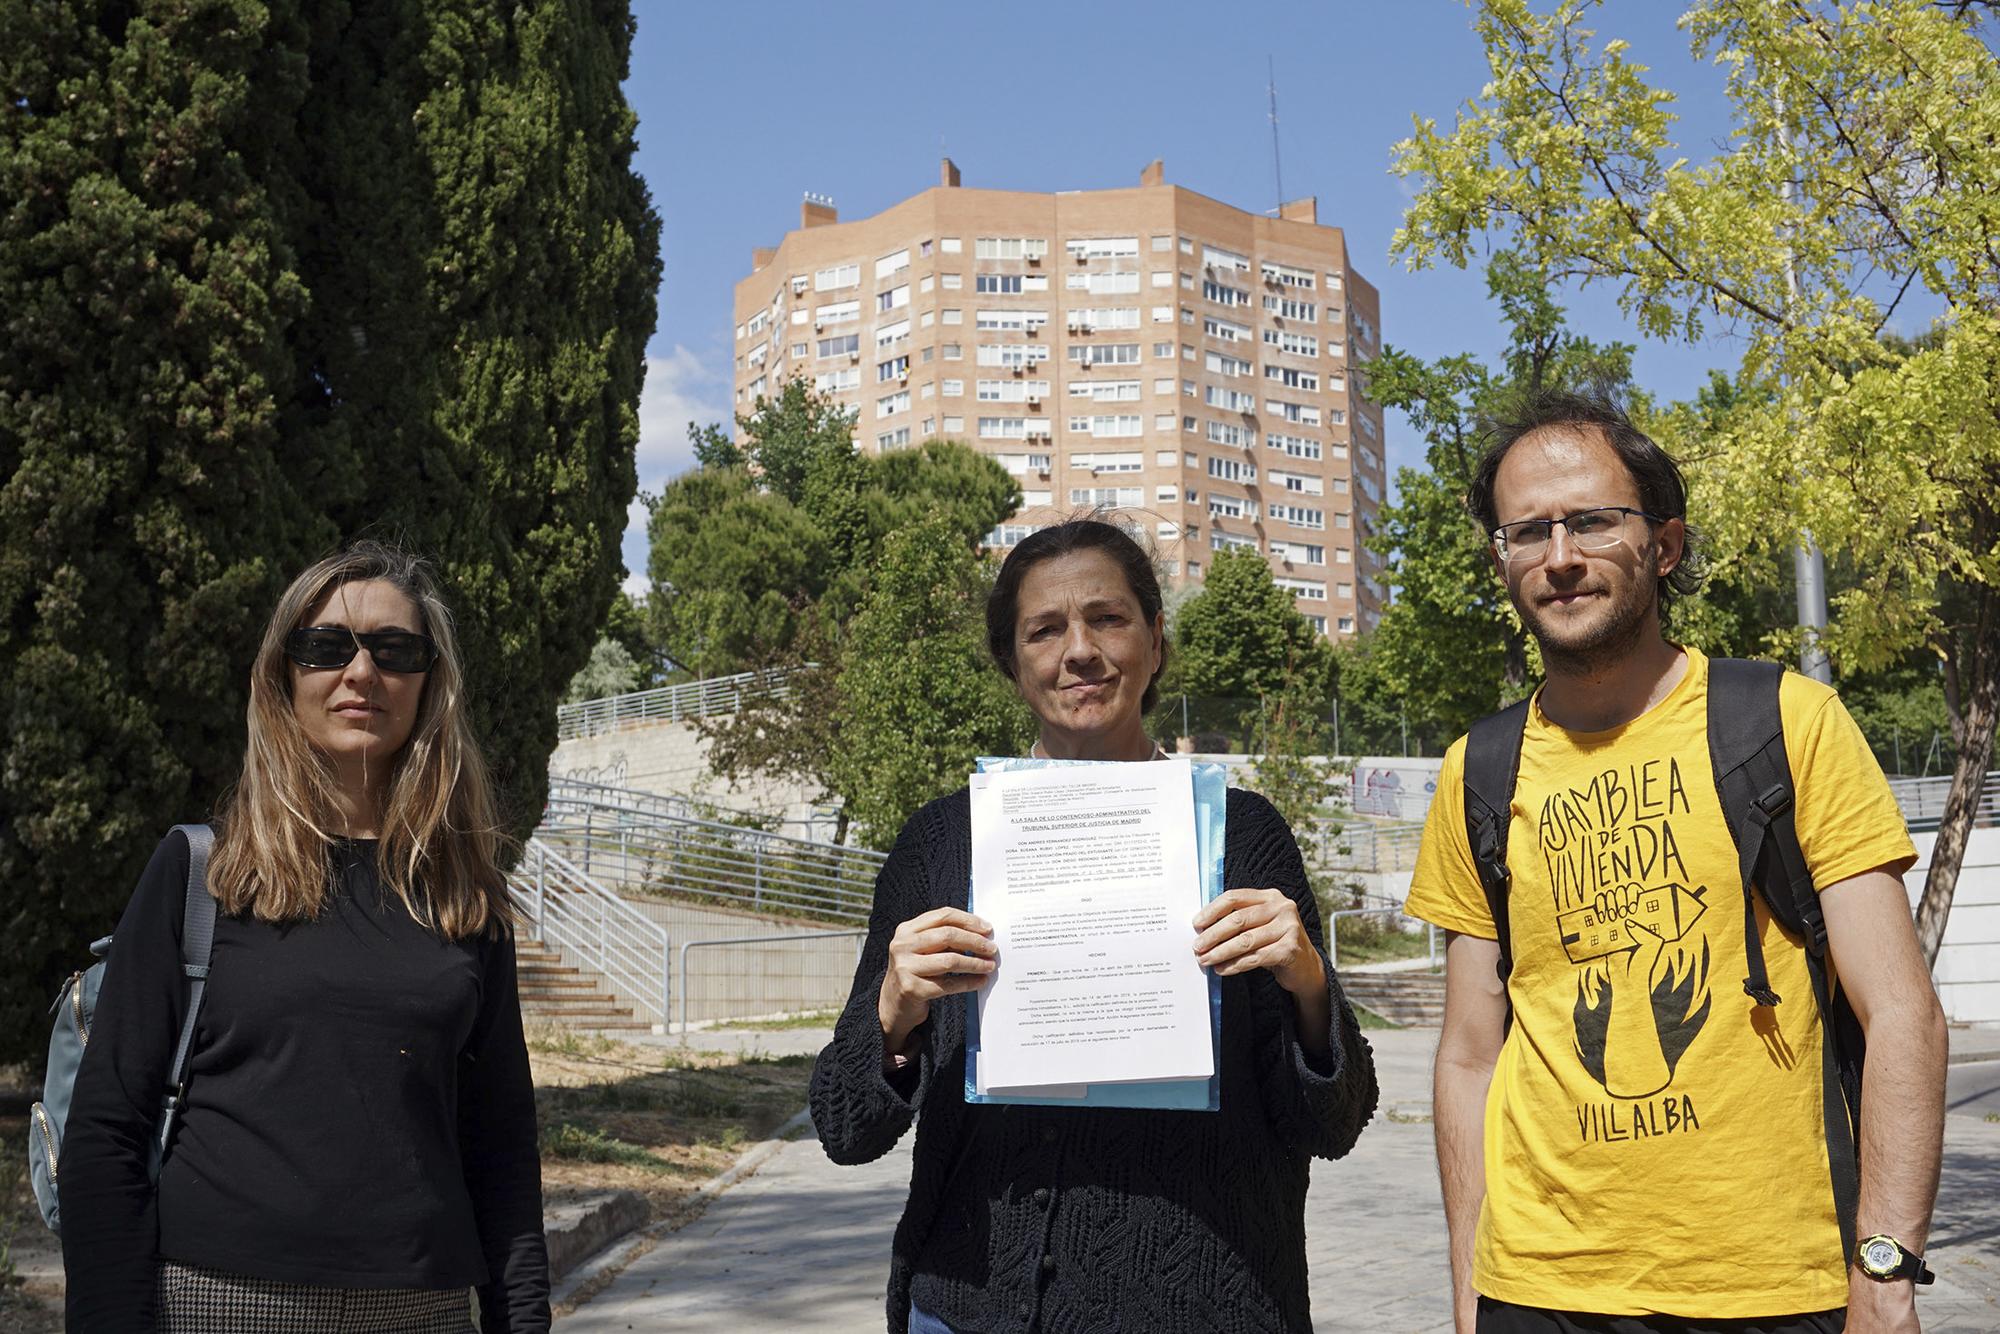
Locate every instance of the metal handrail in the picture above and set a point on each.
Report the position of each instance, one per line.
(563, 906)
(1371, 845)
(687, 976)
(1922, 800)
(649, 848)
(669, 704)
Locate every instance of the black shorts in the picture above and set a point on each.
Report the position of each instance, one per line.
(1507, 1318)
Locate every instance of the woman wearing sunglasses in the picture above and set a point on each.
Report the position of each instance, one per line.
(357, 1146)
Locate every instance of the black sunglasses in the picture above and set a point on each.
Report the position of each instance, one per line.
(392, 651)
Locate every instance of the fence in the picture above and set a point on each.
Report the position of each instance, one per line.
(566, 908)
(668, 704)
(649, 848)
(1922, 800)
(763, 976)
(1395, 918)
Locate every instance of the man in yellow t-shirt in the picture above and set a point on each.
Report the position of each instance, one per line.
(1643, 1148)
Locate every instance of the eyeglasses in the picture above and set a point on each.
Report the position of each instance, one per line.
(1589, 530)
(330, 646)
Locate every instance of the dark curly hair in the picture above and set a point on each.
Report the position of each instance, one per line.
(1003, 604)
(1662, 492)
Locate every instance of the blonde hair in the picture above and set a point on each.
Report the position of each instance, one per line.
(440, 837)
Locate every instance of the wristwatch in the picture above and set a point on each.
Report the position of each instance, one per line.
(1885, 1260)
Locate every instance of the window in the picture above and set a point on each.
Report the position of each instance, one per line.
(1342, 556)
(1012, 391)
(1003, 284)
(1232, 470)
(1104, 317)
(1298, 515)
(951, 282)
(1003, 428)
(927, 283)
(1010, 321)
(1121, 462)
(951, 317)
(1347, 624)
(1315, 589)
(924, 250)
(1106, 391)
(1303, 345)
(840, 275)
(840, 346)
(1160, 278)
(1010, 247)
(1299, 553)
(1288, 308)
(1224, 330)
(1304, 414)
(1112, 427)
(1236, 437)
(1298, 446)
(801, 315)
(951, 245)
(1223, 364)
(1224, 260)
(1013, 354)
(799, 349)
(839, 312)
(1167, 495)
(1163, 351)
(1304, 483)
(1293, 379)
(1163, 243)
(1118, 283)
(952, 352)
(1104, 247)
(1105, 354)
(833, 381)
(893, 404)
(894, 299)
(1117, 497)
(954, 426)
(1230, 400)
(1224, 296)
(799, 281)
(889, 265)
(926, 319)
(953, 389)
(930, 426)
(1011, 534)
(1187, 245)
(890, 334)
(1221, 541)
(1164, 458)
(1286, 275)
(1340, 590)
(758, 355)
(1163, 314)
(896, 439)
(1230, 507)
(893, 368)
(1030, 499)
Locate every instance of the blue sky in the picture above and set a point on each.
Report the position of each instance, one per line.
(745, 106)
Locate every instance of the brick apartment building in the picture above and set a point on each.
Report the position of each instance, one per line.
(1146, 350)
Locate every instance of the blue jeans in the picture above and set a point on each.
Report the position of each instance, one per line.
(923, 1322)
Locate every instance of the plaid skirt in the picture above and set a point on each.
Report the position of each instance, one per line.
(208, 1301)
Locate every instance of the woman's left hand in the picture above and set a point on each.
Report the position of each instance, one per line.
(1245, 929)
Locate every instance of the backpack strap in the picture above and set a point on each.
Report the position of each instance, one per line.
(1492, 764)
(197, 942)
(1753, 780)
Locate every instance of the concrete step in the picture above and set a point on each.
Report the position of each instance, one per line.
(1402, 998)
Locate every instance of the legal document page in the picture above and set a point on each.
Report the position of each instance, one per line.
(1088, 874)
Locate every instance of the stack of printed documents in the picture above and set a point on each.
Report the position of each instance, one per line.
(1091, 874)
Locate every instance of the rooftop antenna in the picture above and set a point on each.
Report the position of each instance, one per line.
(1277, 163)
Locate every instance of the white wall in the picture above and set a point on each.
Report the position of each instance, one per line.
(1968, 963)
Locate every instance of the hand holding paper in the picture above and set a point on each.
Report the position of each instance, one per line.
(933, 954)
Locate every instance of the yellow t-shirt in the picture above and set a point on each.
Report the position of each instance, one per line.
(1654, 1140)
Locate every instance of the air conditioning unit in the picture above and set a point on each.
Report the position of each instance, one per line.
(819, 326)
(1034, 258)
(1020, 368)
(904, 378)
(854, 356)
(1034, 401)
(1081, 256)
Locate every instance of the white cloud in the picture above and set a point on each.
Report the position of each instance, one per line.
(679, 389)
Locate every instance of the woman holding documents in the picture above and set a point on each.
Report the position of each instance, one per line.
(1093, 1206)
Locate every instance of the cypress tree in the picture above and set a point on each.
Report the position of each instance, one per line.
(272, 276)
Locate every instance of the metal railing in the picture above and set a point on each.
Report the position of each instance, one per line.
(668, 704)
(1397, 915)
(1367, 845)
(593, 927)
(793, 973)
(1922, 800)
(650, 849)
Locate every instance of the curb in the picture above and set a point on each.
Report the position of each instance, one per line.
(617, 1249)
(580, 1230)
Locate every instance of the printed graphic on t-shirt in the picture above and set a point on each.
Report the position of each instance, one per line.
(1631, 921)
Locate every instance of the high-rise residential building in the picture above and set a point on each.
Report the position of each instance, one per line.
(1149, 351)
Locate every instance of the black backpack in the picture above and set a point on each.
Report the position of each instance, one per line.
(1753, 779)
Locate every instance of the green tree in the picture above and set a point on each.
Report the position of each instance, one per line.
(918, 698)
(231, 225)
(1862, 167)
(609, 671)
(1241, 638)
(969, 490)
(1294, 771)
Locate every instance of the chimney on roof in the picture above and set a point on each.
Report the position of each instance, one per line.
(1154, 174)
(948, 174)
(760, 256)
(817, 211)
(1301, 210)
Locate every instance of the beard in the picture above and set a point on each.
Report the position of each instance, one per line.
(1594, 648)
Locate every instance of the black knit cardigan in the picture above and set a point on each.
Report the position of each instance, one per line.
(1070, 1219)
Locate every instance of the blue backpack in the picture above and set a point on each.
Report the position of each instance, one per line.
(74, 1009)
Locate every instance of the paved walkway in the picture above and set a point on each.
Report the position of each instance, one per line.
(804, 1244)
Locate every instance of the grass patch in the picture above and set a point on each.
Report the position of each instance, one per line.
(1373, 940)
(786, 1024)
(576, 1144)
(1367, 1018)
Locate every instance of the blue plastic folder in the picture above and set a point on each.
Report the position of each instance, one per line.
(1211, 799)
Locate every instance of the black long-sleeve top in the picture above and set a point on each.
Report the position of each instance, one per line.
(360, 1111)
(1072, 1219)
